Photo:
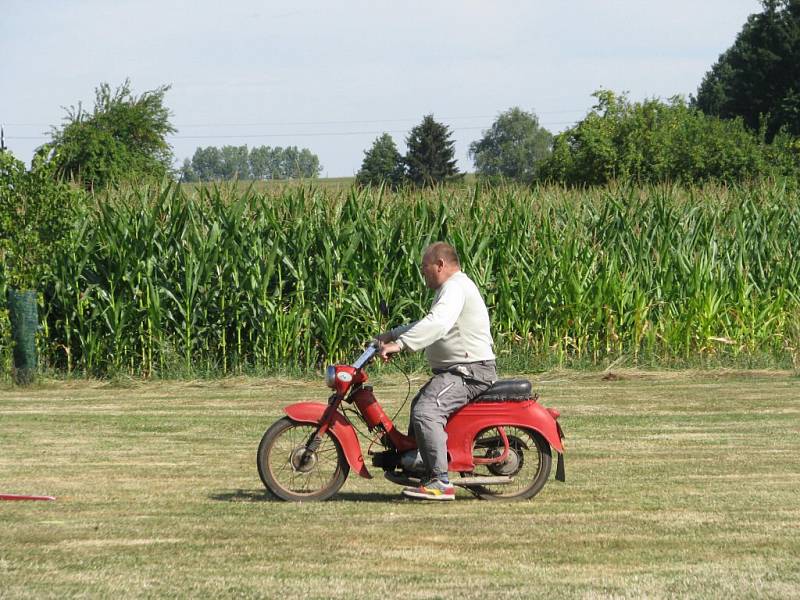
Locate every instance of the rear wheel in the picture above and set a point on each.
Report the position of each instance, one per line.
(527, 464)
(292, 474)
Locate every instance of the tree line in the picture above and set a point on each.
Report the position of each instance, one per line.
(743, 123)
(260, 162)
(511, 148)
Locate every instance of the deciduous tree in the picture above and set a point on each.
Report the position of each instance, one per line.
(261, 162)
(758, 78)
(235, 162)
(123, 138)
(513, 147)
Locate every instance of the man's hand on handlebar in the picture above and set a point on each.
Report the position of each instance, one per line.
(385, 350)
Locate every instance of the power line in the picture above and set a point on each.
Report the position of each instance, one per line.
(354, 122)
(293, 134)
(342, 122)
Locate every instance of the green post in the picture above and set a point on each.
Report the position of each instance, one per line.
(23, 314)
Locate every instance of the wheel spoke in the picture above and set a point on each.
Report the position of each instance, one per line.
(524, 464)
(321, 471)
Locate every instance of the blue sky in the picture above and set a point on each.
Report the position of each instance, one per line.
(332, 76)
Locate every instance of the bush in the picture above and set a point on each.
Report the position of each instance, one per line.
(36, 215)
(122, 139)
(655, 141)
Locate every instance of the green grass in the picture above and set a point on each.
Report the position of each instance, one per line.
(678, 485)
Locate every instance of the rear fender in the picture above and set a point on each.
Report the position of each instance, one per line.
(467, 422)
(340, 428)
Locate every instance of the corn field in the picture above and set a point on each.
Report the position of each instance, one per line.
(158, 282)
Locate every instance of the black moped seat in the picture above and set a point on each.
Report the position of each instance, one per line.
(507, 390)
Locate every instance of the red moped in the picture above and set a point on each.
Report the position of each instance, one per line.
(499, 444)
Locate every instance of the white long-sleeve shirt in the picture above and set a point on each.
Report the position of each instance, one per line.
(456, 330)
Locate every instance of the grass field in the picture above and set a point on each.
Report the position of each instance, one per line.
(678, 485)
(274, 185)
(335, 184)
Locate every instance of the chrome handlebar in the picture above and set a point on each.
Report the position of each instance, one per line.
(366, 356)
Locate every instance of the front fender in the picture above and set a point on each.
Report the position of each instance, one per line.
(341, 429)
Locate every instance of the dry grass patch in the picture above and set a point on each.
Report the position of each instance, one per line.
(678, 485)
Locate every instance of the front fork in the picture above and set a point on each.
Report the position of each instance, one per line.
(315, 439)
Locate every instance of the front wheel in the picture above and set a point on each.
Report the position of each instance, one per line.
(290, 473)
(527, 464)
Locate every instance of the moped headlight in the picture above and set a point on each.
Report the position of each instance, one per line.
(330, 376)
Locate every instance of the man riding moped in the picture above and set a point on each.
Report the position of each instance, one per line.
(457, 340)
(494, 435)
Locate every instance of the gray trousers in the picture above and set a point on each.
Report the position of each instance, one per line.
(446, 392)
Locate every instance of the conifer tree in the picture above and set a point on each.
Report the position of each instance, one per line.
(430, 157)
(382, 164)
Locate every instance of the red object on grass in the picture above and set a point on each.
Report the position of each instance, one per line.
(18, 497)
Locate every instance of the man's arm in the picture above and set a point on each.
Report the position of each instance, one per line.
(443, 315)
(388, 344)
(394, 333)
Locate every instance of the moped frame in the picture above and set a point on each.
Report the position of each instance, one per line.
(462, 427)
